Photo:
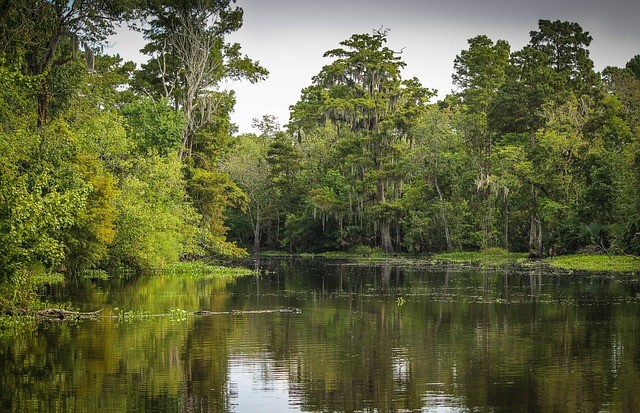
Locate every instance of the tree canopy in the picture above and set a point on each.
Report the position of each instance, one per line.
(529, 153)
(107, 165)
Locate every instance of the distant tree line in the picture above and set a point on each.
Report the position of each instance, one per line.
(534, 151)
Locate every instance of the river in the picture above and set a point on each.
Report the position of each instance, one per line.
(389, 336)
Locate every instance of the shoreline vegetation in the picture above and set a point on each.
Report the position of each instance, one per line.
(25, 301)
(490, 257)
(24, 298)
(21, 295)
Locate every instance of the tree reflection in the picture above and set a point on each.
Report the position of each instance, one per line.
(487, 340)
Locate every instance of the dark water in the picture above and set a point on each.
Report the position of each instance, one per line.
(370, 338)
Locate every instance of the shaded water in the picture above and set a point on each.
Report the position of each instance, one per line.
(376, 338)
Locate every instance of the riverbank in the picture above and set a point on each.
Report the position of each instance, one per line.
(602, 262)
(574, 262)
(21, 295)
(495, 257)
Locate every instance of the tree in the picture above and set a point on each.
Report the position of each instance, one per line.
(566, 44)
(47, 35)
(190, 59)
(156, 223)
(248, 167)
(43, 192)
(512, 172)
(624, 85)
(633, 65)
(552, 69)
(283, 158)
(479, 72)
(155, 126)
(436, 158)
(362, 92)
(212, 192)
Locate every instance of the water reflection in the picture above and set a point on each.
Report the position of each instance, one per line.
(381, 338)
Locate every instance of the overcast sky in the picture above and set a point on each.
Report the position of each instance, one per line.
(289, 37)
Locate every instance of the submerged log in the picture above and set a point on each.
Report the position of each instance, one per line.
(240, 312)
(56, 314)
(60, 314)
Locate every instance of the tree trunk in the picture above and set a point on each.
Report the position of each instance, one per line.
(385, 224)
(385, 237)
(540, 253)
(506, 221)
(256, 231)
(532, 236)
(398, 235)
(535, 231)
(443, 215)
(43, 106)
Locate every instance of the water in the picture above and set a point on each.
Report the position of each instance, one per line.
(380, 337)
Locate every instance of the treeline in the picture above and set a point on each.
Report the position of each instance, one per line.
(535, 152)
(105, 166)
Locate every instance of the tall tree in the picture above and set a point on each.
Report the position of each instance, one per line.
(478, 73)
(190, 59)
(552, 69)
(566, 44)
(362, 91)
(624, 85)
(43, 194)
(437, 157)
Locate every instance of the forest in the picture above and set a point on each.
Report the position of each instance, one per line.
(108, 165)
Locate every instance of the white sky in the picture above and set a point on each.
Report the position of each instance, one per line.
(289, 37)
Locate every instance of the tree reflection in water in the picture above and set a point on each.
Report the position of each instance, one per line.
(461, 339)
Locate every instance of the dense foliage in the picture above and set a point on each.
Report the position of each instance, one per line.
(534, 152)
(103, 165)
(107, 165)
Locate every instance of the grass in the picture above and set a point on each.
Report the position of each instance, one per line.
(201, 269)
(488, 257)
(599, 262)
(93, 275)
(497, 257)
(491, 257)
(352, 255)
(361, 251)
(358, 253)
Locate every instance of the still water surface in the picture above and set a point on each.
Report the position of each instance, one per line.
(381, 337)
